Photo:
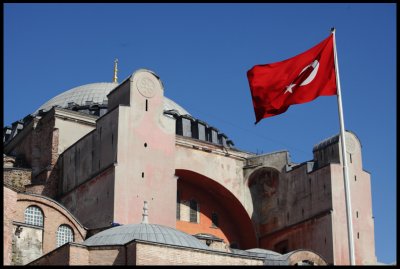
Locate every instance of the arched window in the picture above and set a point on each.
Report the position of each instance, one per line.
(193, 211)
(64, 235)
(34, 216)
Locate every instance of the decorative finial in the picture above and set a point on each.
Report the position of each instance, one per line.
(115, 70)
(332, 29)
(145, 215)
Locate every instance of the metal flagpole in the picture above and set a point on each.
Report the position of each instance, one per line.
(344, 158)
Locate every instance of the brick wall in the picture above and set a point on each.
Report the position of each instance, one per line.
(54, 216)
(60, 256)
(107, 255)
(10, 200)
(79, 255)
(149, 254)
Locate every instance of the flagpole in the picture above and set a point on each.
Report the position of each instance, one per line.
(344, 159)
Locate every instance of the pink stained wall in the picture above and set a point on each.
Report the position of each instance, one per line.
(361, 196)
(9, 209)
(361, 205)
(145, 155)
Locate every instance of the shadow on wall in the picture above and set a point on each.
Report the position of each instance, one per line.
(267, 203)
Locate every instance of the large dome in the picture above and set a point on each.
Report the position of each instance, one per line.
(96, 93)
(123, 234)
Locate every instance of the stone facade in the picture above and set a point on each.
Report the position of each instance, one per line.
(100, 171)
(19, 178)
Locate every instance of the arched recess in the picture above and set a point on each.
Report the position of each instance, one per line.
(264, 184)
(234, 223)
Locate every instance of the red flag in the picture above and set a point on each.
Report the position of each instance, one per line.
(300, 79)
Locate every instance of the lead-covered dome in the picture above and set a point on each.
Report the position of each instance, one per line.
(96, 93)
(123, 234)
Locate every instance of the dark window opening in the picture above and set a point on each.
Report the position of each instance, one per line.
(178, 206)
(214, 220)
(147, 104)
(282, 247)
(351, 160)
(193, 211)
(142, 174)
(234, 245)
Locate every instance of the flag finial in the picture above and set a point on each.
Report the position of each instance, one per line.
(115, 70)
(333, 29)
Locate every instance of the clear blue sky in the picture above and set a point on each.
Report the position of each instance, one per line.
(202, 53)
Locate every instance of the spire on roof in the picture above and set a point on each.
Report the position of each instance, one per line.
(115, 70)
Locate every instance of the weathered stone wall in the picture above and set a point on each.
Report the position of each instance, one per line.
(314, 234)
(93, 201)
(17, 177)
(27, 244)
(91, 154)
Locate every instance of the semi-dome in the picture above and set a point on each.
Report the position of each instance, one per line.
(123, 234)
(96, 93)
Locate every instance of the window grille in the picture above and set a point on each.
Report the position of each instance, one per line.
(64, 235)
(34, 216)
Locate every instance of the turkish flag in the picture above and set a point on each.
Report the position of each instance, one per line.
(300, 79)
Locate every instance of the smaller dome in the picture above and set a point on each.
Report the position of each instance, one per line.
(123, 234)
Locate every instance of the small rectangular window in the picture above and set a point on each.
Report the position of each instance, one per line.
(214, 220)
(193, 211)
(178, 206)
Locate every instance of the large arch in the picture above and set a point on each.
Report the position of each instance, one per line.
(236, 225)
